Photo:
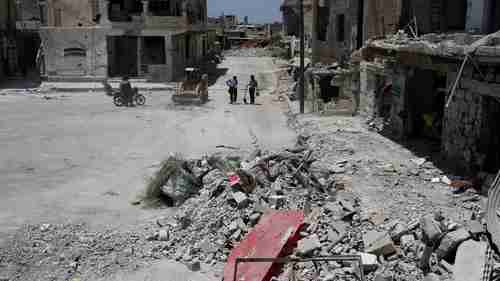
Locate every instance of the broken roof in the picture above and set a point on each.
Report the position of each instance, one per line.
(442, 45)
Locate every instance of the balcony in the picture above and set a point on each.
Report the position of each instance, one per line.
(28, 25)
(166, 22)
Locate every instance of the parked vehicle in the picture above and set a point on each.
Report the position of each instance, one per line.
(194, 88)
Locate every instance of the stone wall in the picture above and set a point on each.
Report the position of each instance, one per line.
(348, 8)
(70, 13)
(367, 91)
(75, 52)
(381, 17)
(462, 126)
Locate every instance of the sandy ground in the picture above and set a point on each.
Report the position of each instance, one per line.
(62, 157)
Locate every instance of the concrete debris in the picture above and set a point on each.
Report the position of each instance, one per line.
(473, 262)
(407, 241)
(450, 242)
(241, 199)
(307, 245)
(194, 265)
(431, 229)
(432, 277)
(369, 262)
(378, 243)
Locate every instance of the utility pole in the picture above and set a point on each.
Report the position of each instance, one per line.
(315, 32)
(302, 54)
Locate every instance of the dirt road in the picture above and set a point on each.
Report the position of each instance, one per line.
(77, 158)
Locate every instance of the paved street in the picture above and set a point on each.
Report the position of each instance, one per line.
(76, 157)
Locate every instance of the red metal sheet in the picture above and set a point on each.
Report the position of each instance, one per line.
(272, 237)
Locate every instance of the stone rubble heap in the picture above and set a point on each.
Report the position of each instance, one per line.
(429, 247)
(247, 52)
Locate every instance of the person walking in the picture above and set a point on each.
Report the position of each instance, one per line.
(252, 88)
(233, 89)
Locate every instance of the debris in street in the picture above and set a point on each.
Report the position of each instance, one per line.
(378, 243)
(308, 244)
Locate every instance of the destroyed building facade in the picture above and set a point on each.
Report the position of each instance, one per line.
(19, 40)
(7, 38)
(95, 39)
(410, 53)
(418, 83)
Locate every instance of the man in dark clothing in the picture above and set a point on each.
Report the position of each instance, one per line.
(233, 89)
(127, 92)
(252, 88)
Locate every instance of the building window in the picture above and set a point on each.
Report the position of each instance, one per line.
(322, 22)
(341, 28)
(160, 8)
(58, 17)
(75, 52)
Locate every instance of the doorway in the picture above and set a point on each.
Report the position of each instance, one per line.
(425, 104)
(122, 56)
(490, 134)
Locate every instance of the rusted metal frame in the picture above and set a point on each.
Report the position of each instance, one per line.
(476, 66)
(354, 258)
(459, 76)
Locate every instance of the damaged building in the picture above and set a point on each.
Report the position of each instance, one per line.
(416, 80)
(425, 89)
(7, 38)
(94, 39)
(411, 59)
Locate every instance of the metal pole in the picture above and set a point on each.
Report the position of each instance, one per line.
(302, 54)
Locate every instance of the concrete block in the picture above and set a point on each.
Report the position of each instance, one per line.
(368, 262)
(431, 277)
(475, 227)
(378, 243)
(307, 245)
(336, 233)
(430, 229)
(383, 277)
(241, 199)
(398, 231)
(407, 240)
(451, 241)
(472, 262)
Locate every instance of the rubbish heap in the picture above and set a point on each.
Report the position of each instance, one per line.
(234, 193)
(247, 52)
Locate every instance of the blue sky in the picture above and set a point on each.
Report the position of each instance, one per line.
(257, 10)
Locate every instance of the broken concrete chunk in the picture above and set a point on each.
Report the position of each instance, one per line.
(348, 206)
(431, 277)
(368, 262)
(241, 199)
(336, 233)
(163, 235)
(451, 241)
(307, 245)
(407, 240)
(475, 227)
(378, 243)
(430, 229)
(254, 218)
(384, 277)
(194, 265)
(398, 231)
(472, 262)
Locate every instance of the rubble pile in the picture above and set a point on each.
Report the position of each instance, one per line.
(206, 226)
(247, 52)
(67, 251)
